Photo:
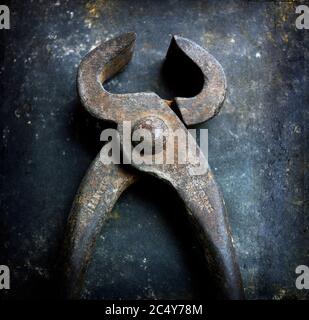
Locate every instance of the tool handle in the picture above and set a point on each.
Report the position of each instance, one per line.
(207, 210)
(100, 189)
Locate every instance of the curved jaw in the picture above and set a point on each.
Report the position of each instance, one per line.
(112, 56)
(98, 66)
(206, 75)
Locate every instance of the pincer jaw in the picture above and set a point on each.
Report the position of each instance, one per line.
(98, 66)
(207, 76)
(112, 56)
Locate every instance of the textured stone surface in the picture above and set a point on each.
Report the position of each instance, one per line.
(257, 146)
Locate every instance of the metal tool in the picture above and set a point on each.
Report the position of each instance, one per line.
(103, 184)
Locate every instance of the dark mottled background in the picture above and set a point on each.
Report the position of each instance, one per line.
(258, 146)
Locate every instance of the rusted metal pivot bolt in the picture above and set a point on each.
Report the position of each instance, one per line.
(154, 138)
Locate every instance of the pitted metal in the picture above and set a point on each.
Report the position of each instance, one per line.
(103, 184)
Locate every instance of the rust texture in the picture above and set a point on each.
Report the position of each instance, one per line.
(103, 184)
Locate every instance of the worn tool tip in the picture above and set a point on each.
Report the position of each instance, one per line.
(128, 37)
(177, 38)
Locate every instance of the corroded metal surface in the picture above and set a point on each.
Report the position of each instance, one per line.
(102, 186)
(96, 197)
(208, 101)
(257, 148)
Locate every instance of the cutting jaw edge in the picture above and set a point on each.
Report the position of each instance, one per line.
(112, 56)
(103, 184)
